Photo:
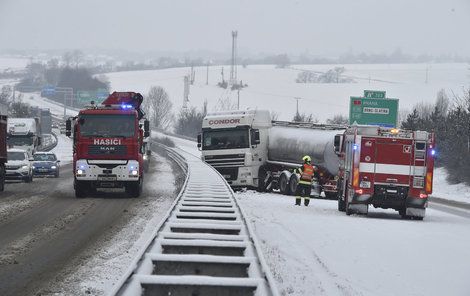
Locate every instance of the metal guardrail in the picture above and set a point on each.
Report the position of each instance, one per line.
(52, 145)
(203, 246)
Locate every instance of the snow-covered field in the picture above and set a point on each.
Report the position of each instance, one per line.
(275, 89)
(317, 250)
(14, 63)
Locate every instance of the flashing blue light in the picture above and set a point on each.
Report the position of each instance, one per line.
(433, 152)
(355, 146)
(82, 167)
(124, 106)
(132, 167)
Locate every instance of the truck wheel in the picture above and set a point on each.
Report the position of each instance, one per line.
(284, 185)
(263, 179)
(341, 206)
(2, 178)
(293, 183)
(134, 190)
(29, 179)
(80, 191)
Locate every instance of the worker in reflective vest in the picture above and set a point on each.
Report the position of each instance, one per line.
(305, 182)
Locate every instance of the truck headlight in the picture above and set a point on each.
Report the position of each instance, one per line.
(134, 172)
(80, 172)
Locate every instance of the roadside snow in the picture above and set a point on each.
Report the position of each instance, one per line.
(63, 150)
(317, 250)
(442, 188)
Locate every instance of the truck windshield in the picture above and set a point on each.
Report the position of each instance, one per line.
(107, 125)
(16, 156)
(225, 139)
(20, 140)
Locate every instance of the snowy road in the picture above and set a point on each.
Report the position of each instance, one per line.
(51, 242)
(317, 250)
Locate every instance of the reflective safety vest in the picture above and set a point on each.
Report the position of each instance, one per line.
(306, 174)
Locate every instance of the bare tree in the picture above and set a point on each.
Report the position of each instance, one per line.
(338, 119)
(305, 118)
(275, 115)
(224, 104)
(77, 57)
(67, 58)
(5, 94)
(159, 107)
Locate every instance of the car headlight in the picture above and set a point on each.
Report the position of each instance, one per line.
(34, 167)
(25, 167)
(53, 167)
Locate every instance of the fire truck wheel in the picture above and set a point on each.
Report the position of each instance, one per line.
(284, 185)
(134, 190)
(80, 191)
(341, 206)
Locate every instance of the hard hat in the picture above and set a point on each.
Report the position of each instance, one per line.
(306, 158)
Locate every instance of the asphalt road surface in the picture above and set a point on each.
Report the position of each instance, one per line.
(43, 227)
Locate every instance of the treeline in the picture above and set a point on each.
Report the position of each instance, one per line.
(449, 118)
(38, 75)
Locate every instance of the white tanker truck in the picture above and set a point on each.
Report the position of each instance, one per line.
(252, 151)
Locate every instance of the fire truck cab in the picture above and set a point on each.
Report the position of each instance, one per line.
(386, 168)
(108, 145)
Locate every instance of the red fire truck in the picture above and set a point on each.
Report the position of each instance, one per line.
(385, 167)
(108, 145)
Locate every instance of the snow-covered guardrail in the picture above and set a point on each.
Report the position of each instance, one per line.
(52, 143)
(203, 246)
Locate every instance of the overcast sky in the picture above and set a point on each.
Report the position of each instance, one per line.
(273, 26)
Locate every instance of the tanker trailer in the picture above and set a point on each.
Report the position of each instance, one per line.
(287, 143)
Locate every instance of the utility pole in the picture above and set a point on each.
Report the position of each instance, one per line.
(186, 93)
(233, 66)
(238, 99)
(297, 99)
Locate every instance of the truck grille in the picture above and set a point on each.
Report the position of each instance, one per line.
(227, 160)
(106, 150)
(230, 174)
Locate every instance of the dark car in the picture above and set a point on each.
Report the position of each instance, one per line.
(45, 164)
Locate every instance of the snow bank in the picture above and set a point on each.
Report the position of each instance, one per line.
(317, 250)
(442, 188)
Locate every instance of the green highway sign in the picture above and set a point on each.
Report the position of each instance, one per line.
(367, 111)
(374, 94)
(88, 96)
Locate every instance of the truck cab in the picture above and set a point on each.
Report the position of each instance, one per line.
(23, 133)
(235, 144)
(107, 145)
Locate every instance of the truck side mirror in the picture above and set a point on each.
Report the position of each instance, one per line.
(199, 141)
(146, 128)
(255, 137)
(68, 127)
(338, 143)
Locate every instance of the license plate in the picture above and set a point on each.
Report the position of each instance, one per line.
(107, 178)
(365, 184)
(43, 170)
